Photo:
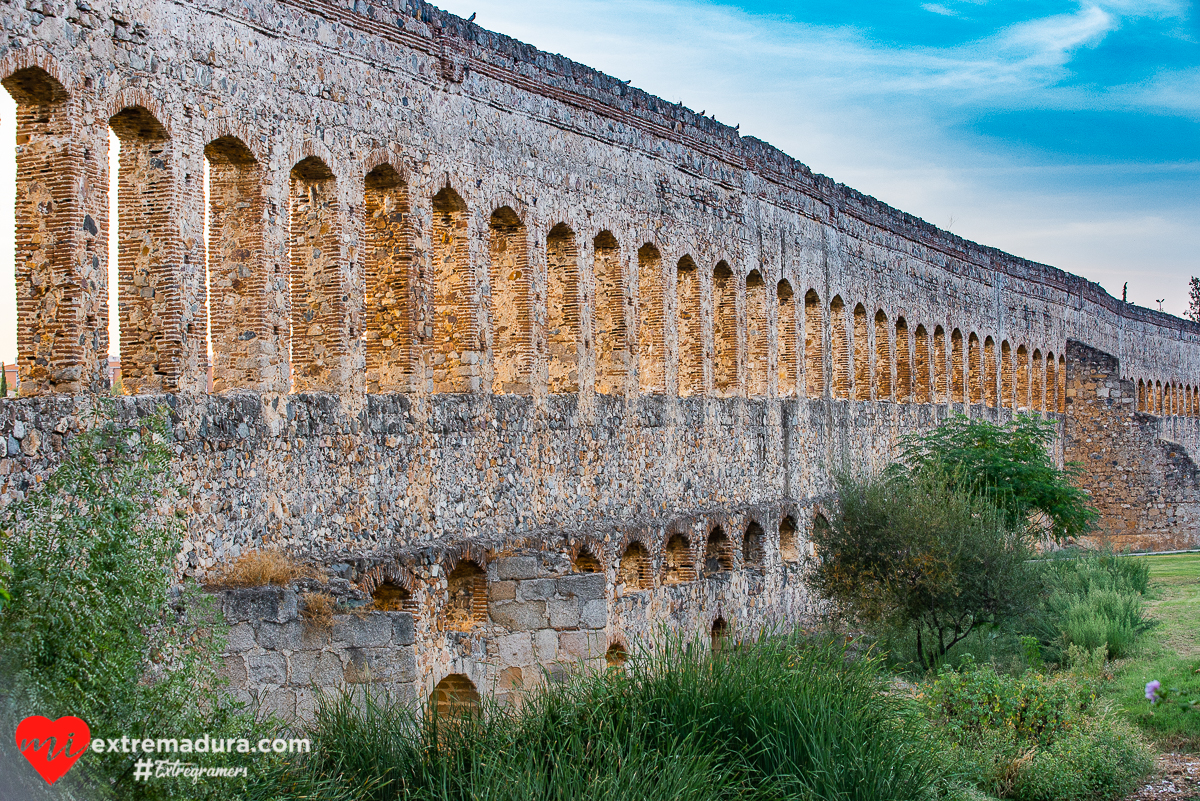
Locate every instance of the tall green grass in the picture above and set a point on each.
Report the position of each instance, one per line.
(1092, 601)
(779, 719)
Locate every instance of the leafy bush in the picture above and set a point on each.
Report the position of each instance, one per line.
(780, 719)
(913, 552)
(1010, 465)
(91, 629)
(1034, 736)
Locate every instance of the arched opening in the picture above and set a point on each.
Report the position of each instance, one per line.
(612, 338)
(718, 553)
(586, 562)
(651, 314)
(318, 345)
(883, 357)
(678, 566)
(923, 388)
(455, 698)
(387, 267)
(633, 571)
(616, 656)
(840, 347)
(1062, 384)
(789, 547)
(862, 355)
(454, 352)
(1038, 403)
(814, 346)
(466, 603)
(1022, 368)
(1141, 395)
(725, 332)
(718, 635)
(941, 378)
(787, 342)
(957, 385)
(237, 279)
(1156, 399)
(756, 335)
(753, 546)
(689, 328)
(1007, 390)
(390, 597)
(974, 369)
(150, 305)
(989, 372)
(562, 310)
(904, 384)
(59, 254)
(511, 303)
(1051, 383)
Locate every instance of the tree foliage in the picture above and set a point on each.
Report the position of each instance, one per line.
(1009, 465)
(92, 628)
(1193, 309)
(912, 551)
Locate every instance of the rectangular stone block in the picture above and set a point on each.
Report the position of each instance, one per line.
(564, 614)
(536, 590)
(368, 631)
(515, 649)
(576, 645)
(323, 669)
(241, 638)
(545, 645)
(517, 567)
(384, 665)
(402, 628)
(594, 615)
(281, 636)
(267, 669)
(268, 604)
(502, 591)
(585, 586)
(520, 616)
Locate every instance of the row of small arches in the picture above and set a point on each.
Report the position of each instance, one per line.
(465, 605)
(453, 328)
(1169, 399)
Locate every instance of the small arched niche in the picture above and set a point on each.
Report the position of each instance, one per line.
(391, 597)
(789, 548)
(466, 603)
(586, 562)
(634, 569)
(718, 635)
(753, 550)
(616, 656)
(455, 698)
(677, 561)
(718, 553)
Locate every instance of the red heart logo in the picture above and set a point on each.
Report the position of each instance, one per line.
(52, 746)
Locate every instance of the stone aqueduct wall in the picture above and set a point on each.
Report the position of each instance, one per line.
(484, 320)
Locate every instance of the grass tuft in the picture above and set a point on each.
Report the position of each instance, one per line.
(260, 569)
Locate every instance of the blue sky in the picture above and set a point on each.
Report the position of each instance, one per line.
(1063, 132)
(1068, 133)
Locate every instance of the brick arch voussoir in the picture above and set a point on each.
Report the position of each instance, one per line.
(131, 96)
(36, 57)
(393, 157)
(226, 126)
(391, 572)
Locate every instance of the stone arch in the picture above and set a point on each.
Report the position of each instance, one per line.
(814, 346)
(466, 597)
(840, 348)
(612, 333)
(941, 378)
(757, 336)
(587, 560)
(789, 545)
(1141, 395)
(725, 330)
(564, 330)
(1022, 369)
(1062, 384)
(455, 698)
(1038, 385)
(454, 349)
(923, 388)
(1051, 383)
(958, 392)
(718, 552)
(974, 369)
(387, 596)
(511, 303)
(862, 355)
(59, 252)
(149, 297)
(989, 372)
(651, 316)
(1156, 399)
(390, 316)
(904, 383)
(689, 327)
(883, 357)
(1007, 389)
(237, 275)
(633, 569)
(616, 656)
(718, 635)
(678, 565)
(754, 546)
(787, 344)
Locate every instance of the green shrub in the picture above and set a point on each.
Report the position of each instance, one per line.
(1098, 759)
(92, 629)
(914, 552)
(780, 719)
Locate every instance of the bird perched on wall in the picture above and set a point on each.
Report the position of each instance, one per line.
(472, 17)
(1159, 301)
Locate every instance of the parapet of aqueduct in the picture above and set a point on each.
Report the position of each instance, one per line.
(535, 358)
